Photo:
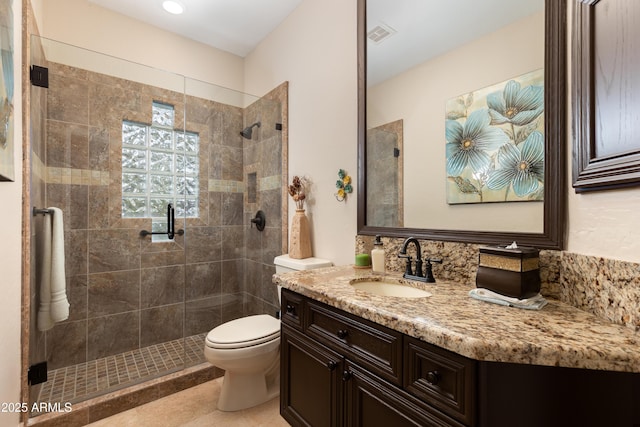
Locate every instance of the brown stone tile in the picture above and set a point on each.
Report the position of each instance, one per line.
(67, 145)
(112, 250)
(204, 245)
(233, 242)
(233, 276)
(99, 148)
(113, 292)
(98, 207)
(268, 292)
(271, 244)
(169, 317)
(162, 285)
(113, 334)
(77, 296)
(75, 252)
(203, 315)
(232, 209)
(162, 258)
(215, 208)
(67, 99)
(66, 344)
(203, 280)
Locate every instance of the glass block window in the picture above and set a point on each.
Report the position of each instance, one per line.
(159, 166)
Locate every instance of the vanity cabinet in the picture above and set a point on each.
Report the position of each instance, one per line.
(338, 369)
(341, 370)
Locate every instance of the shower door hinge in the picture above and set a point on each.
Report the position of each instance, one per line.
(39, 76)
(396, 152)
(37, 373)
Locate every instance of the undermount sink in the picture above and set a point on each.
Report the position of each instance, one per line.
(389, 288)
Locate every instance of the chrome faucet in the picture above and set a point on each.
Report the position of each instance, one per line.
(408, 272)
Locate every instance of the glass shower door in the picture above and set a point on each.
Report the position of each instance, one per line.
(104, 153)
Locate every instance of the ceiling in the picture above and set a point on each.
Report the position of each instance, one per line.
(424, 28)
(235, 26)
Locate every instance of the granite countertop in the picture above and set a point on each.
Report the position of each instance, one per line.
(557, 335)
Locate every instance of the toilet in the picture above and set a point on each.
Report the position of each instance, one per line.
(248, 349)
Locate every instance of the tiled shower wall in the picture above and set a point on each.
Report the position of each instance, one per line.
(265, 175)
(125, 291)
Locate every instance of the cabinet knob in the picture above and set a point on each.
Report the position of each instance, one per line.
(331, 365)
(346, 375)
(291, 309)
(433, 377)
(342, 333)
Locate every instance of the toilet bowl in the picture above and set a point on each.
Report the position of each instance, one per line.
(248, 349)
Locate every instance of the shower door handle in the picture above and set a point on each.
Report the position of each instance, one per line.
(171, 221)
(171, 225)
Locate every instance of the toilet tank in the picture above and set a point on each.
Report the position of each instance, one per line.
(285, 263)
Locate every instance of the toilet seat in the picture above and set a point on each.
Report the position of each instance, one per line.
(244, 332)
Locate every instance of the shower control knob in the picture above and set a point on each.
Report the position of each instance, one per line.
(259, 220)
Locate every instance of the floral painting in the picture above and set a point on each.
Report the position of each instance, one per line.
(6, 92)
(495, 142)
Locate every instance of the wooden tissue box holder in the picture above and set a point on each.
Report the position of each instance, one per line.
(511, 272)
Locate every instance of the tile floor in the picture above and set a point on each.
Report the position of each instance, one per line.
(195, 407)
(79, 382)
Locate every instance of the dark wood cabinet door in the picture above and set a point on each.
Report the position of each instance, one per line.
(311, 382)
(372, 402)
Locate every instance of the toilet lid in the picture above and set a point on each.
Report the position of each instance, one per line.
(244, 332)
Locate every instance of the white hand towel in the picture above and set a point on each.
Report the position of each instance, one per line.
(54, 306)
(534, 303)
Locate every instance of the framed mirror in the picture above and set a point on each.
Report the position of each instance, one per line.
(407, 106)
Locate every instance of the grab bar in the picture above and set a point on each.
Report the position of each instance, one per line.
(171, 225)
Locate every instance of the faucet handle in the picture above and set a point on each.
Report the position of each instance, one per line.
(407, 270)
(428, 274)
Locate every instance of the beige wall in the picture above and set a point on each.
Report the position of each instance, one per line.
(83, 24)
(315, 50)
(418, 97)
(11, 251)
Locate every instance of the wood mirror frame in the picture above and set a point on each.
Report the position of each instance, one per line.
(552, 236)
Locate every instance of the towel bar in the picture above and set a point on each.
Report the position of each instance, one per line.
(37, 211)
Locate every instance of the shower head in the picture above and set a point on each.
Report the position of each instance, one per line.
(246, 132)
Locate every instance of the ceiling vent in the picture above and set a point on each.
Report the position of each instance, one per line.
(380, 32)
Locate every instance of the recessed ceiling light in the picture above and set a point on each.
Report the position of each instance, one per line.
(173, 7)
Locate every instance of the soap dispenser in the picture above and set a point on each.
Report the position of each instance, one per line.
(377, 256)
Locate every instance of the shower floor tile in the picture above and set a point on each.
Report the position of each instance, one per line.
(79, 382)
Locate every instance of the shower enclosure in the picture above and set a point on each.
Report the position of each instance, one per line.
(124, 149)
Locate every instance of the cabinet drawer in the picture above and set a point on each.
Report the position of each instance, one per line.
(291, 309)
(372, 346)
(440, 378)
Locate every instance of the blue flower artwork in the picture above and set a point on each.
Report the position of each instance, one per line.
(7, 171)
(495, 142)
